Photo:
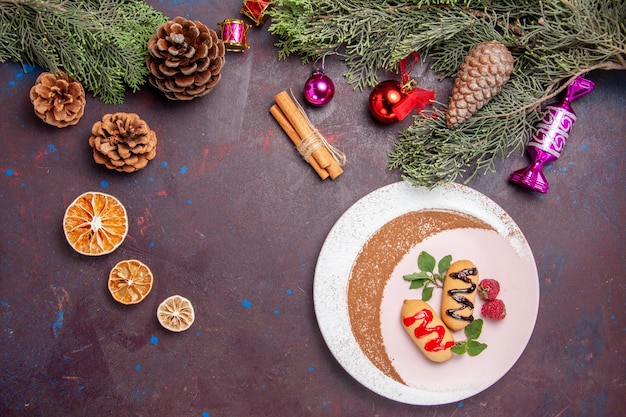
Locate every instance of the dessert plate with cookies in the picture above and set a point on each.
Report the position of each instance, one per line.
(399, 297)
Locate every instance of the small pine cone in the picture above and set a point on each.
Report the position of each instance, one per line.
(123, 142)
(483, 73)
(59, 100)
(185, 59)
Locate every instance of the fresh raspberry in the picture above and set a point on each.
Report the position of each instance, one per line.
(494, 309)
(488, 289)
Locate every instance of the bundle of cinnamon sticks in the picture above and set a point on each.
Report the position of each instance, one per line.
(324, 159)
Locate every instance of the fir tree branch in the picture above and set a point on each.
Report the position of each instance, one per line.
(103, 43)
(553, 41)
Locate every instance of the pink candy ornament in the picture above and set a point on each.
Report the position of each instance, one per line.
(550, 136)
(319, 89)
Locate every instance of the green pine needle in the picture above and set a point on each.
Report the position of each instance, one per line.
(103, 43)
(553, 42)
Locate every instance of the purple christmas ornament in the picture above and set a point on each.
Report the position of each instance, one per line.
(550, 136)
(319, 89)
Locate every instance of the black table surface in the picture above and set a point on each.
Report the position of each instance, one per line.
(230, 216)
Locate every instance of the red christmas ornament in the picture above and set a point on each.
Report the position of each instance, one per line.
(392, 101)
(255, 10)
(382, 99)
(319, 89)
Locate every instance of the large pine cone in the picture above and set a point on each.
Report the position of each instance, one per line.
(59, 100)
(123, 142)
(483, 73)
(185, 59)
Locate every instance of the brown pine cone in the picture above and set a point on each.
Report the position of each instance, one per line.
(59, 100)
(123, 142)
(185, 59)
(483, 73)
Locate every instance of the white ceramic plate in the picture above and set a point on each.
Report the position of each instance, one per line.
(502, 253)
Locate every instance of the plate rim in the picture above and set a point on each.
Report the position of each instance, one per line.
(338, 336)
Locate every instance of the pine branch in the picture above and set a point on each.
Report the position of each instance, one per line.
(103, 43)
(429, 153)
(552, 41)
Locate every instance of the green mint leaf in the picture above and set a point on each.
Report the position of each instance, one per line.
(427, 293)
(474, 347)
(416, 275)
(444, 264)
(474, 329)
(459, 348)
(418, 283)
(426, 262)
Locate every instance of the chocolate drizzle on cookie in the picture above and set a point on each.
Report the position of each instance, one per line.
(462, 275)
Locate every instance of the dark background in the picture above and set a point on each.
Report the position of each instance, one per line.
(229, 216)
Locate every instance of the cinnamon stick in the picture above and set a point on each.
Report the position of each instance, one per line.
(334, 169)
(295, 138)
(302, 127)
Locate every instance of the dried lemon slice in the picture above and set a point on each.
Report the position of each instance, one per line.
(95, 223)
(130, 281)
(176, 313)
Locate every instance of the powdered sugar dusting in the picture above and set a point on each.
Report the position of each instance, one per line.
(375, 264)
(359, 256)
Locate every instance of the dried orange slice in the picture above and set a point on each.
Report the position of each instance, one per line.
(95, 223)
(176, 313)
(130, 281)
